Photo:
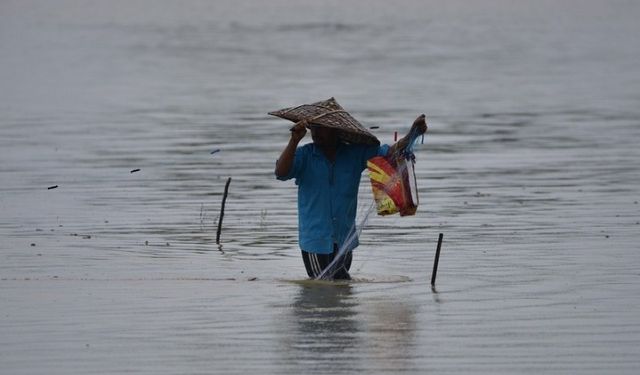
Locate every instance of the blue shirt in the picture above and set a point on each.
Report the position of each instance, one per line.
(328, 193)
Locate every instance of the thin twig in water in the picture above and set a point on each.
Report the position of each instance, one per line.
(224, 201)
(435, 261)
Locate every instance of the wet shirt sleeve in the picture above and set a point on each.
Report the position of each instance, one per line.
(296, 167)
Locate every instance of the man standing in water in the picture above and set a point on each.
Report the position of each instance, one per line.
(328, 173)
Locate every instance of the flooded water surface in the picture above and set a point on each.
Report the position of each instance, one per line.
(139, 112)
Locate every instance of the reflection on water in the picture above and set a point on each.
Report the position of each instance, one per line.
(392, 335)
(322, 328)
(333, 329)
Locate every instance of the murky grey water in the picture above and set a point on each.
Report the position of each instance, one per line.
(530, 170)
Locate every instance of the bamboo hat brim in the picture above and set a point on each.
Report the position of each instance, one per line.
(330, 114)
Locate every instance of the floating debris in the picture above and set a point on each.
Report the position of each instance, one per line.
(135, 170)
(214, 151)
(52, 187)
(374, 127)
(253, 278)
(32, 245)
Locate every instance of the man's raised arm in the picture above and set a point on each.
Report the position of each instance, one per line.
(285, 162)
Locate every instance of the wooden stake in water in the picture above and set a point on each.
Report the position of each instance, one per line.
(435, 262)
(224, 200)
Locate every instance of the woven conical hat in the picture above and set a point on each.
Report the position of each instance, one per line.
(330, 114)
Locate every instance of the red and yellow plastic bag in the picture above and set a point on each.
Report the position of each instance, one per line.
(393, 182)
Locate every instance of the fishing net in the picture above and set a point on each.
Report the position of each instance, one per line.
(338, 261)
(394, 186)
